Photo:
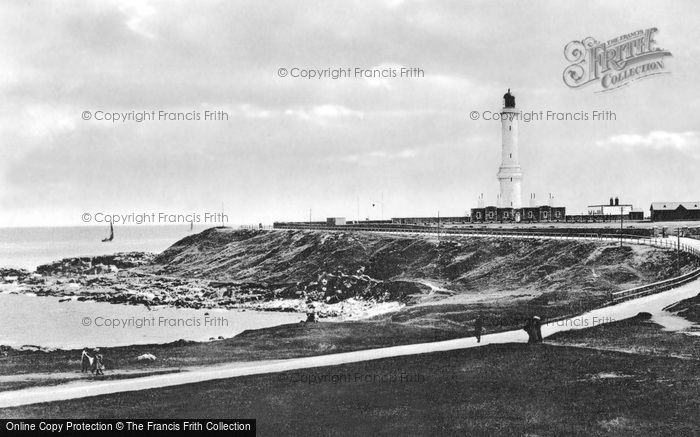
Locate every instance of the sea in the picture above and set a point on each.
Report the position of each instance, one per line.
(30, 247)
(52, 322)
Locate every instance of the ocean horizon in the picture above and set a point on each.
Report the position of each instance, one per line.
(29, 247)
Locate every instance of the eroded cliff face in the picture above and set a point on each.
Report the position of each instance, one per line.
(351, 263)
(288, 270)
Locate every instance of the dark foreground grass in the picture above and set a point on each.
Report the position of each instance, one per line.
(512, 389)
(637, 334)
(688, 309)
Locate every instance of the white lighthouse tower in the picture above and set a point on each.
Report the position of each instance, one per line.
(510, 174)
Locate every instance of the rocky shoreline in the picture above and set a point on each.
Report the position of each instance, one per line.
(121, 279)
(348, 275)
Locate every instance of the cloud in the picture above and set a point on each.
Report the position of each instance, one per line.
(42, 122)
(251, 111)
(138, 13)
(323, 114)
(272, 155)
(656, 140)
(376, 156)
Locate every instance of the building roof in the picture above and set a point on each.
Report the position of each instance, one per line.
(671, 206)
(607, 204)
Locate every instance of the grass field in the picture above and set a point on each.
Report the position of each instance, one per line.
(636, 335)
(513, 389)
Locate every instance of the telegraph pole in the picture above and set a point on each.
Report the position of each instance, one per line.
(621, 221)
(438, 228)
(678, 251)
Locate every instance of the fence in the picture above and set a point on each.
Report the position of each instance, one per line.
(654, 288)
(471, 230)
(257, 227)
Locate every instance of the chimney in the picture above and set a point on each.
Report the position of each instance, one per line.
(481, 200)
(533, 200)
(617, 201)
(611, 201)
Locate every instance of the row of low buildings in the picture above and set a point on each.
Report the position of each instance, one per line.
(530, 214)
(430, 220)
(611, 211)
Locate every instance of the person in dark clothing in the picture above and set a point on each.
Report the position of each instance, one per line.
(98, 367)
(537, 326)
(86, 361)
(530, 329)
(478, 328)
(533, 327)
(311, 314)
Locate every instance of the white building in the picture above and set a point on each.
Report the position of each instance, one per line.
(612, 208)
(509, 174)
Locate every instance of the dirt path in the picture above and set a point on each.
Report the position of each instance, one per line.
(653, 304)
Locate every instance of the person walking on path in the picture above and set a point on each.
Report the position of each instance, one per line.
(478, 328)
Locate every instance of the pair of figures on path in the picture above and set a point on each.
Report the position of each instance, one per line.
(92, 363)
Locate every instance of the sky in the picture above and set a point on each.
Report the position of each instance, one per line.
(293, 146)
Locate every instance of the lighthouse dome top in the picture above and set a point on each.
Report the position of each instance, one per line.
(508, 100)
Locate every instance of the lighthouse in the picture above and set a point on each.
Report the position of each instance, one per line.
(509, 173)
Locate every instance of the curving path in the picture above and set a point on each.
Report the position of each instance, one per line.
(652, 304)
